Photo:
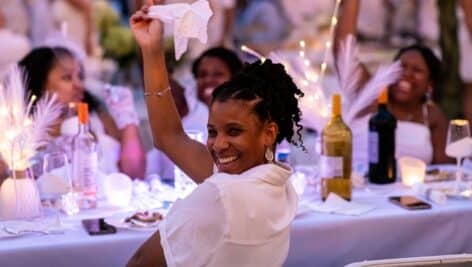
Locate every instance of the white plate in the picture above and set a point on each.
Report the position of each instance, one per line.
(448, 188)
(119, 222)
(448, 173)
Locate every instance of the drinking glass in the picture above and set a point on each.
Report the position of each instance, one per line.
(55, 181)
(458, 146)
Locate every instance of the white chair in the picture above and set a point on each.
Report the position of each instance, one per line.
(460, 260)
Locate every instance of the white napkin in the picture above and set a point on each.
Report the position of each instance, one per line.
(337, 205)
(54, 183)
(433, 194)
(189, 20)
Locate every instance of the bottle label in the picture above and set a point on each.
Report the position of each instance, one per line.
(331, 166)
(373, 147)
(84, 169)
(282, 155)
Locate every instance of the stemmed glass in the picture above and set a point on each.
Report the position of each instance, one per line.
(458, 146)
(56, 177)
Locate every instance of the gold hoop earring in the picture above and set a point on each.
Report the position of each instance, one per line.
(269, 155)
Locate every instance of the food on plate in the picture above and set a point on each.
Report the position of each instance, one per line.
(146, 217)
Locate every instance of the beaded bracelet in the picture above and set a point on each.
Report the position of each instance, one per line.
(159, 94)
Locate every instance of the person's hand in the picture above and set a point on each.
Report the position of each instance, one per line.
(120, 104)
(147, 32)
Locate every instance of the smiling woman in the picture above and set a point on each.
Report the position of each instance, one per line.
(229, 220)
(58, 70)
(418, 116)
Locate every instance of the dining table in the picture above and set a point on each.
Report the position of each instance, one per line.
(317, 238)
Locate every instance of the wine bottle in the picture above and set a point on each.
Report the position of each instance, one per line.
(336, 155)
(382, 125)
(84, 161)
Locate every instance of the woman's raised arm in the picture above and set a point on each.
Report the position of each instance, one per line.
(347, 24)
(166, 126)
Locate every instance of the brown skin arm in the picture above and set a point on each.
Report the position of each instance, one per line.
(150, 254)
(347, 24)
(229, 15)
(438, 127)
(168, 135)
(132, 155)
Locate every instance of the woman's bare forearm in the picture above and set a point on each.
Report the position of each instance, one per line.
(168, 134)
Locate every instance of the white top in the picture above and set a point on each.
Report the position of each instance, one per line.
(232, 220)
(413, 139)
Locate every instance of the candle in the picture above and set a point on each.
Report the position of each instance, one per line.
(412, 170)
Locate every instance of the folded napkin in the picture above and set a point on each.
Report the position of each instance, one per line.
(337, 205)
(189, 20)
(434, 194)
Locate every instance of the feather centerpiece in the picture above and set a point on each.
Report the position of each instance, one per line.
(26, 128)
(349, 70)
(384, 76)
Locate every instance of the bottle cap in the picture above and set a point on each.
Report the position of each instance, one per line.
(383, 97)
(82, 109)
(336, 105)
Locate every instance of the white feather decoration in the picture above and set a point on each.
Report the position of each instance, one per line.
(23, 133)
(314, 105)
(385, 76)
(349, 69)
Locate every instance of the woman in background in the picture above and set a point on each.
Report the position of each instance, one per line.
(422, 126)
(57, 70)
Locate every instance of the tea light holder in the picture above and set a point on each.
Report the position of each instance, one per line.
(412, 170)
(118, 189)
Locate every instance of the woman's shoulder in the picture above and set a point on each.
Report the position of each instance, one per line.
(436, 115)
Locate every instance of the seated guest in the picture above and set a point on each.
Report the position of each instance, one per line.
(56, 70)
(422, 126)
(230, 219)
(212, 68)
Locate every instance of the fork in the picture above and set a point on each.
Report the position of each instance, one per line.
(13, 231)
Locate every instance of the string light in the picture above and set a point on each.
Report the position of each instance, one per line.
(252, 52)
(328, 44)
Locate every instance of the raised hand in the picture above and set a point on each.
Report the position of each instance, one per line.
(147, 32)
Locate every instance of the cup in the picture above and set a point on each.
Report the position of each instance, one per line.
(412, 170)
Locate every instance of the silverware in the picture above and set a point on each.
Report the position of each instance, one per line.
(14, 231)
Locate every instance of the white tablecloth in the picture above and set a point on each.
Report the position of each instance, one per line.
(317, 239)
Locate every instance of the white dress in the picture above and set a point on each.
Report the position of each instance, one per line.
(232, 220)
(411, 139)
(414, 140)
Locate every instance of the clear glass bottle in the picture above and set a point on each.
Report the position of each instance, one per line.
(336, 155)
(85, 161)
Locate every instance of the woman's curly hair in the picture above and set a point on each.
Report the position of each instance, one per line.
(277, 94)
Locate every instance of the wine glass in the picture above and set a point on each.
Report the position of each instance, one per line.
(55, 181)
(458, 146)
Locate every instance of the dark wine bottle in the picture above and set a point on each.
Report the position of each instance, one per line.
(382, 125)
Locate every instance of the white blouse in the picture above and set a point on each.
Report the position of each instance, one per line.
(232, 220)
